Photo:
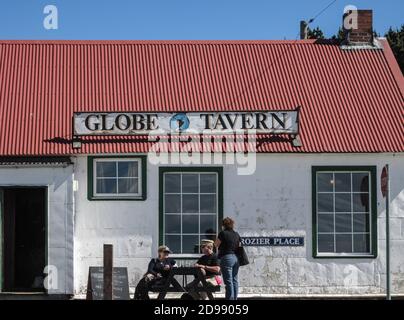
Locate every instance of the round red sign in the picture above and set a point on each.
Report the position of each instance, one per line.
(383, 184)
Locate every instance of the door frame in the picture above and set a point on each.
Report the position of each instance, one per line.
(46, 198)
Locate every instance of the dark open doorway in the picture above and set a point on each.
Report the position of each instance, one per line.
(24, 238)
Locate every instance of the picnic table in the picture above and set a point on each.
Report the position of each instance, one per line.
(172, 284)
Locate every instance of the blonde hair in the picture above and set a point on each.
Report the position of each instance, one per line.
(207, 243)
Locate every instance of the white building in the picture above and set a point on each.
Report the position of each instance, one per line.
(306, 196)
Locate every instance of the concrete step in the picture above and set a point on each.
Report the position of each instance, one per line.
(32, 296)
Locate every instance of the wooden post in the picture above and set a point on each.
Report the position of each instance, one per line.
(108, 265)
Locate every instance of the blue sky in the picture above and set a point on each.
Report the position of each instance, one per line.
(184, 19)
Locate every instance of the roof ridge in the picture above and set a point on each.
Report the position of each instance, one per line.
(158, 42)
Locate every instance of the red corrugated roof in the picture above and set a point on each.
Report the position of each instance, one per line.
(351, 100)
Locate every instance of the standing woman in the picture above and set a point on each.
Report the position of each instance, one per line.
(227, 242)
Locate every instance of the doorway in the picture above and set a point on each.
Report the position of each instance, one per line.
(24, 236)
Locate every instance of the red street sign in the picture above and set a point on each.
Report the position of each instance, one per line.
(383, 184)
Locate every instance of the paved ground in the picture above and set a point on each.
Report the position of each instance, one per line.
(41, 296)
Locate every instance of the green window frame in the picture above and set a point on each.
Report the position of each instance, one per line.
(183, 171)
(343, 212)
(141, 195)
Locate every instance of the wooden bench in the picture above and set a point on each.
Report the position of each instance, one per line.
(161, 288)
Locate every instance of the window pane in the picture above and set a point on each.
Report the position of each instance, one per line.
(190, 244)
(106, 185)
(342, 182)
(174, 243)
(361, 202)
(128, 169)
(190, 203)
(343, 202)
(343, 222)
(208, 237)
(208, 224)
(343, 243)
(190, 223)
(343, 212)
(106, 169)
(208, 203)
(325, 222)
(361, 222)
(325, 182)
(361, 243)
(172, 223)
(172, 182)
(128, 185)
(190, 183)
(325, 202)
(185, 208)
(360, 182)
(172, 203)
(208, 183)
(325, 243)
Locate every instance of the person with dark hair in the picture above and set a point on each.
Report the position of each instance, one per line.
(157, 273)
(227, 243)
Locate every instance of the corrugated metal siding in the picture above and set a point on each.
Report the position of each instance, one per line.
(350, 100)
(32, 161)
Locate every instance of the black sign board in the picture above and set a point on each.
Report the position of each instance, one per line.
(272, 241)
(120, 284)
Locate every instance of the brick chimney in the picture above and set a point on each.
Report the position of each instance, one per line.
(358, 27)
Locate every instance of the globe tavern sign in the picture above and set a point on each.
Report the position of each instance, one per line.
(129, 123)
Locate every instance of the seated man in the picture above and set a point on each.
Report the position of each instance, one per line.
(210, 267)
(157, 273)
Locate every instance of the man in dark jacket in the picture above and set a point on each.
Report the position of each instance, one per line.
(157, 273)
(210, 268)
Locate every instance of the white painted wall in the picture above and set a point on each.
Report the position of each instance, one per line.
(60, 215)
(279, 203)
(276, 200)
(131, 226)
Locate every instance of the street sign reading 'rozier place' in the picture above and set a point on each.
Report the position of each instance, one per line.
(128, 123)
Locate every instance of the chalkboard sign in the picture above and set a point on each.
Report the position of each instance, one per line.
(120, 284)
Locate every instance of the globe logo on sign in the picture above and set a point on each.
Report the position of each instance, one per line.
(179, 122)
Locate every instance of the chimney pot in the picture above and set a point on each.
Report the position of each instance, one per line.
(303, 29)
